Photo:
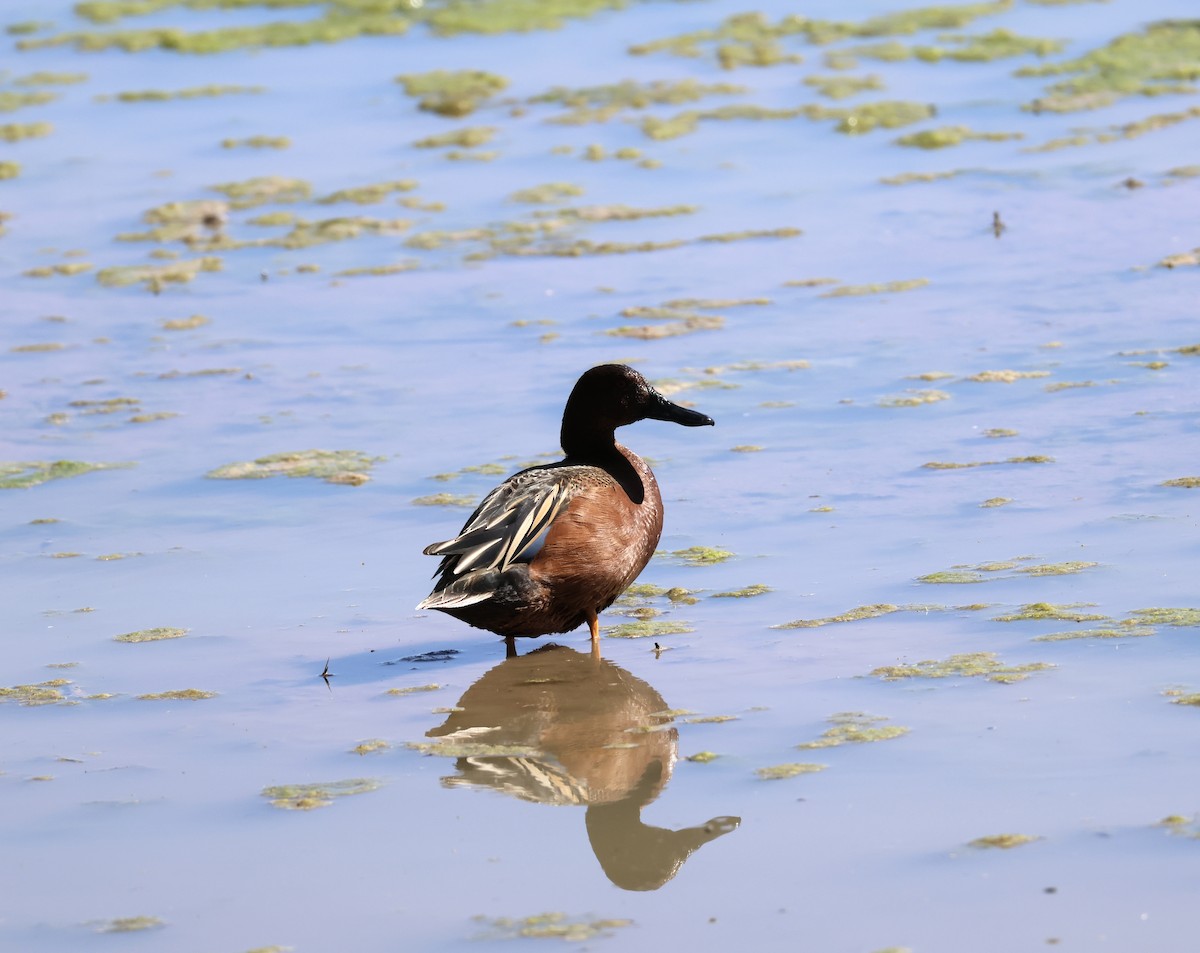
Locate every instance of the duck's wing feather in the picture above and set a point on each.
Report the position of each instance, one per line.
(508, 522)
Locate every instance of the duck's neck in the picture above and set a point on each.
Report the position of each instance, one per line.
(601, 450)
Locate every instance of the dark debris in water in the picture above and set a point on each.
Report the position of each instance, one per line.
(434, 655)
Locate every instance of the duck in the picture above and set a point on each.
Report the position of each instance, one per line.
(554, 545)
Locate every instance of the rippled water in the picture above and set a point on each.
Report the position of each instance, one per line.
(555, 786)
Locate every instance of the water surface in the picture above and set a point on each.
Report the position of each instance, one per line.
(580, 799)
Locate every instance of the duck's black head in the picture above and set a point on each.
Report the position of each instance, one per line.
(611, 396)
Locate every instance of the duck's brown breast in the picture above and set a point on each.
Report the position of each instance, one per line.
(600, 543)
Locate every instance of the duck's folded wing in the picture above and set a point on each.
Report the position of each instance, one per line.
(507, 523)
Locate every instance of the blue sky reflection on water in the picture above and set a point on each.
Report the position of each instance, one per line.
(121, 807)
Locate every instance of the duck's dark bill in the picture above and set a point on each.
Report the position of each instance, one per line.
(664, 409)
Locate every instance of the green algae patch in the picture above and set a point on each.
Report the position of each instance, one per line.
(41, 693)
(185, 324)
(396, 268)
(953, 577)
(11, 102)
(1105, 633)
(469, 137)
(843, 87)
(710, 719)
(46, 78)
(452, 92)
(1005, 376)
(62, 268)
(701, 555)
(180, 694)
(913, 398)
(747, 592)
(194, 92)
(702, 757)
(997, 433)
(1161, 616)
(157, 277)
(260, 190)
(946, 136)
(151, 635)
(950, 465)
(968, 665)
(16, 131)
(748, 234)
(777, 772)
(19, 476)
(335, 26)
(1056, 569)
(852, 727)
(647, 629)
(413, 689)
(998, 44)
(669, 329)
(1180, 826)
(750, 39)
(111, 405)
(1161, 59)
(307, 234)
(629, 213)
(1002, 841)
(446, 499)
(39, 348)
(9, 170)
(1192, 700)
(130, 924)
(908, 178)
(1064, 612)
(886, 287)
(258, 142)
(557, 926)
(195, 222)
(851, 615)
(890, 114)
(458, 748)
(547, 193)
(1129, 130)
(371, 746)
(1190, 482)
(363, 195)
(591, 104)
(637, 595)
(271, 219)
(26, 27)
(305, 797)
(346, 467)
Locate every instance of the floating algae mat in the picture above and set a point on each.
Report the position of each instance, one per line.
(14, 476)
(333, 466)
(306, 797)
(151, 635)
(777, 772)
(965, 665)
(852, 727)
(559, 926)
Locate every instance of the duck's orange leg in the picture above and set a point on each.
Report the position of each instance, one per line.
(593, 622)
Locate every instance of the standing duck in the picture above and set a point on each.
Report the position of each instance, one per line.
(552, 546)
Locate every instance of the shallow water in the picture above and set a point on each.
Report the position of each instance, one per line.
(122, 807)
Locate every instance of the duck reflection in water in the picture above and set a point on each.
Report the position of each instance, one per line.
(560, 727)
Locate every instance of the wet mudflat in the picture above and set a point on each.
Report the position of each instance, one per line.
(916, 667)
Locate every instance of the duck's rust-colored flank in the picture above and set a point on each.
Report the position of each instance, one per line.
(552, 546)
